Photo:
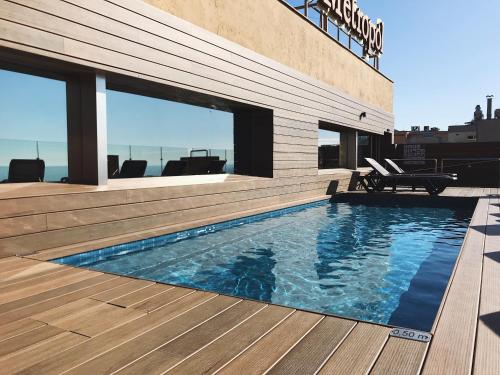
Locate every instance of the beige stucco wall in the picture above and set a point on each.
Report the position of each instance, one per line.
(269, 28)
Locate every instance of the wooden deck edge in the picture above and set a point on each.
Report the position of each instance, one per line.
(452, 347)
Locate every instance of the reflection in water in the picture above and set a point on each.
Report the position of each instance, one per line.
(249, 275)
(353, 260)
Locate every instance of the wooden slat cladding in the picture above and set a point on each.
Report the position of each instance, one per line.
(76, 218)
(160, 47)
(133, 39)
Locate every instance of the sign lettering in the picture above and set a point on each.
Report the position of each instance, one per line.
(347, 13)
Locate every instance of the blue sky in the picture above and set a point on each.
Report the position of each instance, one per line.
(444, 57)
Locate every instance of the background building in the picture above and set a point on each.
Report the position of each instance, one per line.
(480, 129)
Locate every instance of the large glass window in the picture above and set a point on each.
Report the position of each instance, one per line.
(328, 149)
(171, 137)
(33, 124)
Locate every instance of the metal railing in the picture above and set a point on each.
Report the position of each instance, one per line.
(466, 162)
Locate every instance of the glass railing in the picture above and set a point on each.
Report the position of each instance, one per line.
(55, 156)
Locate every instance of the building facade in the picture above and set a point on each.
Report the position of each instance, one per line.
(281, 77)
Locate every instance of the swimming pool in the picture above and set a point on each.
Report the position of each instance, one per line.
(384, 262)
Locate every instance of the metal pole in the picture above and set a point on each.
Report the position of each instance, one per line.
(161, 159)
(306, 8)
(37, 151)
(130, 152)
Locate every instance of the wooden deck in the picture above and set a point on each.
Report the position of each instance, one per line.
(56, 319)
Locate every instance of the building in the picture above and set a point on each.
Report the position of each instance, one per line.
(478, 130)
(417, 136)
(277, 84)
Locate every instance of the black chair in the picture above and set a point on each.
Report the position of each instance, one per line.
(380, 177)
(133, 169)
(216, 166)
(26, 170)
(174, 168)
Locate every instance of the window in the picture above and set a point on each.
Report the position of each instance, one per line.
(328, 149)
(33, 122)
(173, 138)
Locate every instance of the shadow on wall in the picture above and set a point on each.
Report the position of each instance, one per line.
(353, 184)
(332, 188)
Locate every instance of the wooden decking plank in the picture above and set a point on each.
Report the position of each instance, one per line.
(358, 352)
(59, 313)
(132, 350)
(45, 305)
(31, 273)
(57, 282)
(38, 352)
(120, 335)
(26, 339)
(132, 286)
(400, 356)
(167, 356)
(42, 280)
(141, 295)
(312, 351)
(96, 319)
(54, 293)
(162, 299)
(14, 263)
(16, 328)
(267, 351)
(451, 350)
(221, 351)
(487, 360)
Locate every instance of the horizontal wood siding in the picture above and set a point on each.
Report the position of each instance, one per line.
(135, 39)
(37, 223)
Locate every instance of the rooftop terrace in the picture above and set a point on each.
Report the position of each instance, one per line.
(56, 319)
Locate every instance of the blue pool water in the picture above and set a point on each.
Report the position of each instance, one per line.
(385, 263)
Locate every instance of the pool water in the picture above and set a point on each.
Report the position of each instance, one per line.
(387, 263)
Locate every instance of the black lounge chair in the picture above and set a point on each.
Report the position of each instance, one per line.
(174, 168)
(133, 169)
(216, 166)
(400, 170)
(26, 170)
(380, 177)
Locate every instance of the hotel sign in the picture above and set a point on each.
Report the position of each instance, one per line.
(347, 13)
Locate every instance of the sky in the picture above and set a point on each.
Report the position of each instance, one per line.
(444, 57)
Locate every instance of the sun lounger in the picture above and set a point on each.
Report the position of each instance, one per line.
(216, 166)
(380, 178)
(400, 170)
(133, 169)
(26, 170)
(175, 168)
